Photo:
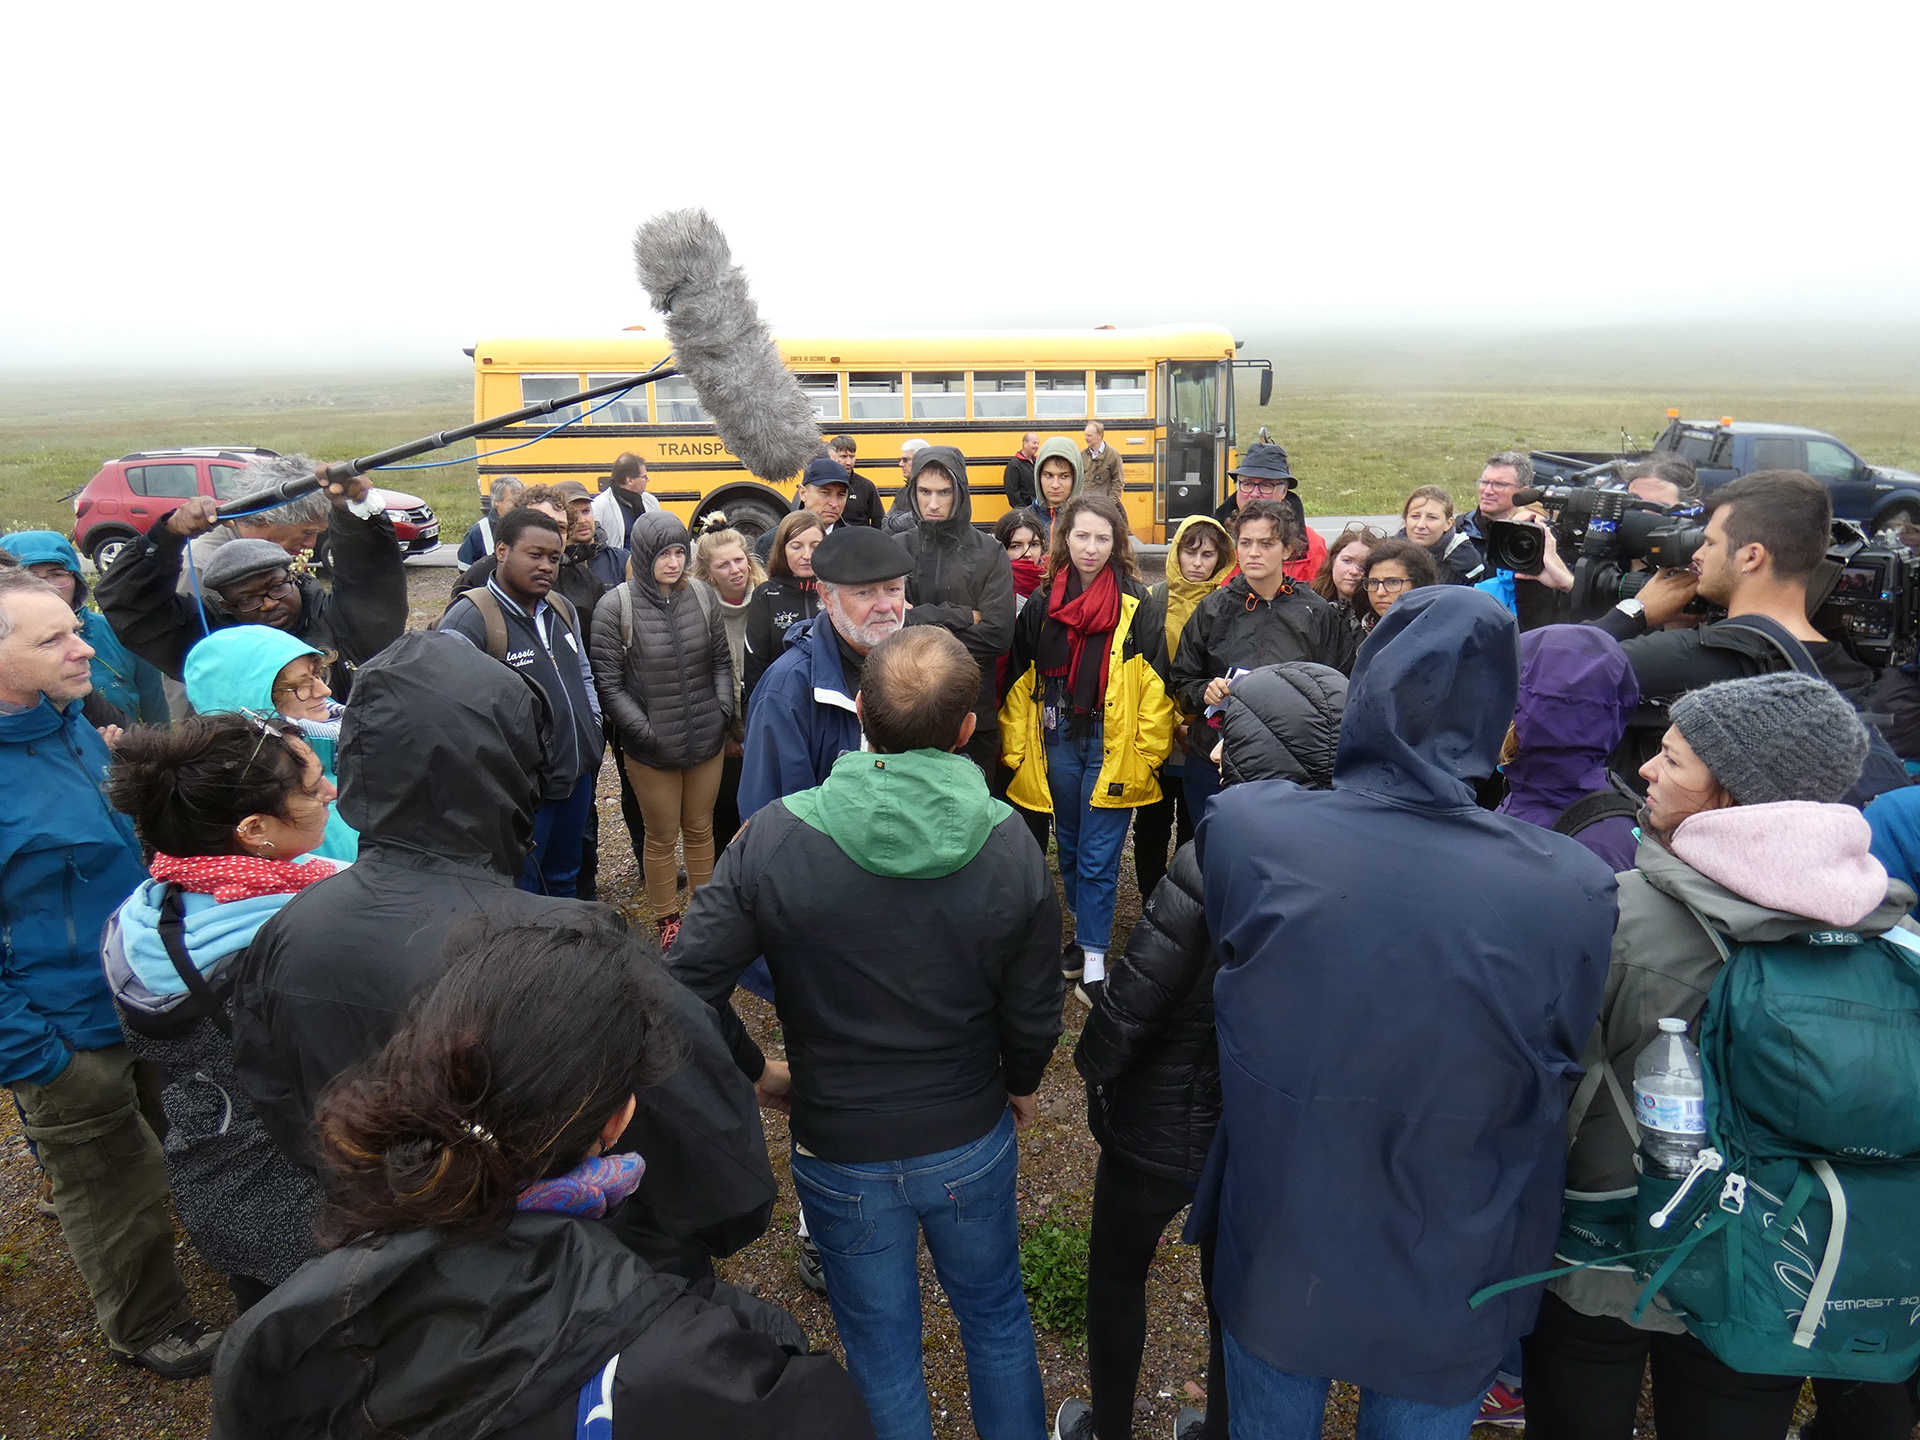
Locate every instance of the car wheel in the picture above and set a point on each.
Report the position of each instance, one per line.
(753, 518)
(1896, 516)
(106, 551)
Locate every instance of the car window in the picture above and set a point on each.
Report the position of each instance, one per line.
(1777, 452)
(164, 482)
(1828, 460)
(223, 478)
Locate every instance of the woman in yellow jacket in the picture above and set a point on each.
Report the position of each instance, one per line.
(1087, 723)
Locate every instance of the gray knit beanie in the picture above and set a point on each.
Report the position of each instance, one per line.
(1785, 736)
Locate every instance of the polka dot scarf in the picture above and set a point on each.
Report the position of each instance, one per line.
(238, 877)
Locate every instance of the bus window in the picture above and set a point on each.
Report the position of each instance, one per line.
(823, 393)
(676, 402)
(999, 394)
(1119, 393)
(535, 388)
(939, 395)
(872, 396)
(1193, 397)
(627, 409)
(1060, 394)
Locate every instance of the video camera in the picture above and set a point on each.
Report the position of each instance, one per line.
(1867, 591)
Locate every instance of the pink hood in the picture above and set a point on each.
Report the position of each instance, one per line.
(1793, 855)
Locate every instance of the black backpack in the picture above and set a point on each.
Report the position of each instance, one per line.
(1609, 804)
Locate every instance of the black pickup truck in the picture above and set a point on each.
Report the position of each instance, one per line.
(1874, 496)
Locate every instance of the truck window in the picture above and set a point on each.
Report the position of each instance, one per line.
(1694, 445)
(1830, 460)
(1776, 452)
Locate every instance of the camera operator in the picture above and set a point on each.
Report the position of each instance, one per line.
(1665, 480)
(1542, 600)
(1766, 535)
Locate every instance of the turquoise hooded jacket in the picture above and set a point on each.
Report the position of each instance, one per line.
(234, 669)
(120, 677)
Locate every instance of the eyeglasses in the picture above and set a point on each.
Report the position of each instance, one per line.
(279, 590)
(1372, 534)
(266, 725)
(1265, 487)
(1499, 484)
(314, 684)
(1386, 584)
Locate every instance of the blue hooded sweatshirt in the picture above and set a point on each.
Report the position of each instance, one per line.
(1406, 982)
(67, 860)
(234, 669)
(120, 677)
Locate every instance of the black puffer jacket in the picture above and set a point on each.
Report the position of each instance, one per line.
(413, 1334)
(958, 570)
(1148, 1052)
(670, 693)
(779, 603)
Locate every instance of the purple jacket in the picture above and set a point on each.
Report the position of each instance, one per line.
(1577, 692)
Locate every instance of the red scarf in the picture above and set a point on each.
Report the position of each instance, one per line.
(238, 877)
(1026, 577)
(1071, 625)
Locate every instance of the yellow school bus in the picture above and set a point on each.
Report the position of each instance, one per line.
(1164, 396)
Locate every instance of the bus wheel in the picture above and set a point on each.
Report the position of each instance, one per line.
(753, 518)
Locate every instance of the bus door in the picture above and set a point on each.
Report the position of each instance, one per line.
(1190, 396)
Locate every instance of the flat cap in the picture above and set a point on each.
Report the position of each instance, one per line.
(860, 555)
(239, 560)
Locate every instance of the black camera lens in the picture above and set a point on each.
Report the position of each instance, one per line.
(1512, 545)
(1673, 548)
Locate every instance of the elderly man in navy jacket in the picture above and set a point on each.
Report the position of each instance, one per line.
(802, 717)
(1406, 982)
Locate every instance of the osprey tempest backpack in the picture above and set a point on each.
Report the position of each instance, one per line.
(1792, 1247)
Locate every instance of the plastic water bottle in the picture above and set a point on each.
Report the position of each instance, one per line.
(1669, 1098)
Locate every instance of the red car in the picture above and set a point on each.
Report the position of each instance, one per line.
(131, 494)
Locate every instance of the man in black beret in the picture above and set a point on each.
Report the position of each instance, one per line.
(802, 717)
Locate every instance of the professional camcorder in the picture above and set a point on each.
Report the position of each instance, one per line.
(1866, 592)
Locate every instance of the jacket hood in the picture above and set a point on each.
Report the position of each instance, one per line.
(234, 668)
(1430, 699)
(443, 754)
(1791, 858)
(1058, 448)
(653, 532)
(914, 816)
(1283, 723)
(948, 458)
(36, 547)
(1577, 693)
(1183, 594)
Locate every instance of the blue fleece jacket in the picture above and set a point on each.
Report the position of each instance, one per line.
(67, 860)
(801, 720)
(234, 669)
(120, 677)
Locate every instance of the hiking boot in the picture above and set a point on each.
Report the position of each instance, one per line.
(1189, 1424)
(1502, 1409)
(1074, 1421)
(1073, 961)
(669, 928)
(180, 1354)
(813, 1274)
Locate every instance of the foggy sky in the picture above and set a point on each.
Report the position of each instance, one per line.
(355, 183)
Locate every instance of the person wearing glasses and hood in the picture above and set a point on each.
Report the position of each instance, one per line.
(962, 581)
(251, 582)
(255, 668)
(120, 678)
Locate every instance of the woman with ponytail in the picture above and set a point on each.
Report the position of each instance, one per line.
(473, 1288)
(232, 806)
(786, 596)
(1087, 722)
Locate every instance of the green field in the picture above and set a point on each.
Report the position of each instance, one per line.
(1365, 418)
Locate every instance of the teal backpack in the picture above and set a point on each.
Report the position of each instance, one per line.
(1793, 1245)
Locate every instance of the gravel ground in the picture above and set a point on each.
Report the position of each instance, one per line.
(58, 1380)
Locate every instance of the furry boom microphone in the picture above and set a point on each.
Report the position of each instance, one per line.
(723, 347)
(720, 344)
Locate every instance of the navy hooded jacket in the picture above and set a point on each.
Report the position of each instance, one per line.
(801, 720)
(1406, 982)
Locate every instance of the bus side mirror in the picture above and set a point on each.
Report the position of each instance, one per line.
(1266, 387)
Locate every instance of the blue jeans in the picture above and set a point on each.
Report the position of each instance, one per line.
(1202, 776)
(867, 1218)
(1270, 1404)
(1089, 840)
(559, 827)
